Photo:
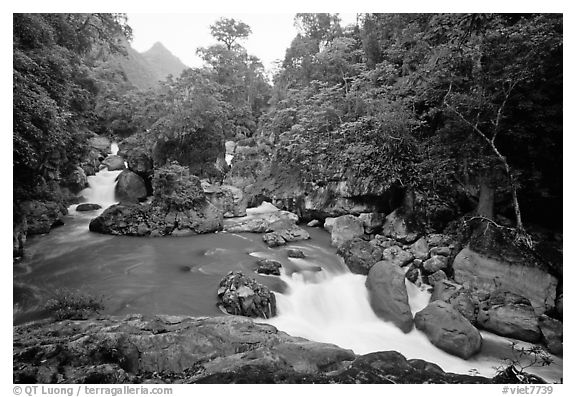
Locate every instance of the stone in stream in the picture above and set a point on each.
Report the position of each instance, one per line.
(372, 221)
(268, 266)
(388, 295)
(88, 207)
(359, 255)
(295, 253)
(240, 295)
(397, 256)
(435, 263)
(284, 236)
(448, 330)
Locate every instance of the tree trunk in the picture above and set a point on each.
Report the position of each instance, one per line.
(485, 206)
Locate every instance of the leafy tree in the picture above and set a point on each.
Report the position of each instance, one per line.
(229, 31)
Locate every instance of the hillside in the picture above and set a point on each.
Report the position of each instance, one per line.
(162, 61)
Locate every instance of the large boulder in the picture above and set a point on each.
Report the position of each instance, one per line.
(114, 162)
(151, 220)
(88, 207)
(130, 187)
(329, 224)
(448, 330)
(240, 295)
(140, 162)
(488, 273)
(510, 315)
(388, 295)
(284, 236)
(41, 216)
(76, 180)
(100, 143)
(457, 296)
(229, 199)
(262, 222)
(359, 255)
(552, 330)
(420, 249)
(268, 266)
(398, 226)
(345, 228)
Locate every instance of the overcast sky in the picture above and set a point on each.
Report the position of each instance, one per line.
(182, 34)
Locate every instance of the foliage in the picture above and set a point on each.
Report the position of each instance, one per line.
(54, 91)
(228, 31)
(403, 97)
(522, 359)
(73, 305)
(175, 188)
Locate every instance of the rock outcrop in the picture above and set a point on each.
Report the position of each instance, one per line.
(398, 227)
(240, 295)
(175, 349)
(229, 199)
(510, 315)
(345, 228)
(41, 216)
(359, 255)
(448, 330)
(484, 273)
(388, 295)
(262, 222)
(284, 236)
(552, 331)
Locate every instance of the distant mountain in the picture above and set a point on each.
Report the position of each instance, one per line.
(145, 70)
(163, 61)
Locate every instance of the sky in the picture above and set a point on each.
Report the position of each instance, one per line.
(182, 34)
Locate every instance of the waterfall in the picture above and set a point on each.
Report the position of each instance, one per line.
(333, 306)
(101, 186)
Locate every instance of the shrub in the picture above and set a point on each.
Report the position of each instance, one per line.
(73, 305)
(175, 188)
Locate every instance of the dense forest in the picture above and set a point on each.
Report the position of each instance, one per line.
(464, 111)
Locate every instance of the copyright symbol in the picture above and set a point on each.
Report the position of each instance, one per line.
(17, 390)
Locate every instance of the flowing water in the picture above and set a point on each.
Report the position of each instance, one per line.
(318, 298)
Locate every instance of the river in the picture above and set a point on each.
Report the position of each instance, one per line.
(318, 298)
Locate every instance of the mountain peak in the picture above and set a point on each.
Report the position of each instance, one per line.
(163, 61)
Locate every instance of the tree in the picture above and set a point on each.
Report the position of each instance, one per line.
(229, 31)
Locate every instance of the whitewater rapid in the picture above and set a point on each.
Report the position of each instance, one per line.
(332, 306)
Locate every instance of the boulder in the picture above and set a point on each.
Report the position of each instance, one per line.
(140, 162)
(484, 273)
(262, 222)
(130, 187)
(397, 256)
(359, 255)
(420, 249)
(383, 242)
(435, 263)
(229, 199)
(413, 274)
(442, 251)
(268, 266)
(510, 315)
(457, 296)
(114, 162)
(552, 330)
(388, 295)
(448, 330)
(438, 240)
(397, 226)
(41, 216)
(436, 277)
(372, 221)
(240, 295)
(281, 237)
(345, 228)
(88, 207)
(295, 253)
